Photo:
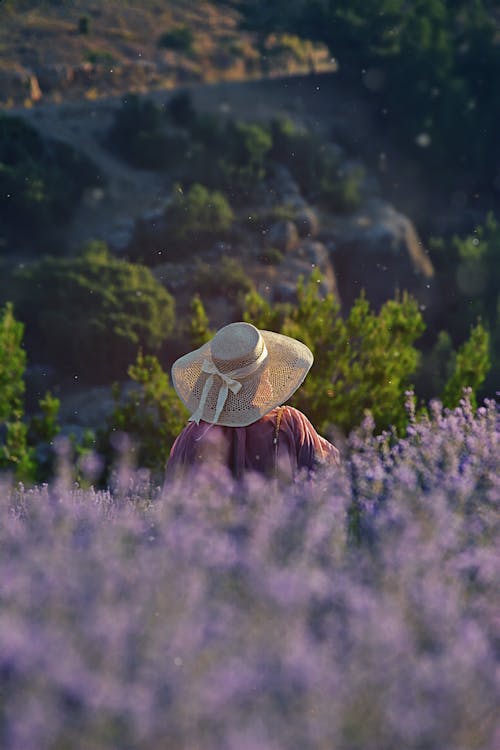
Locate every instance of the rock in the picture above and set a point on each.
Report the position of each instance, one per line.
(307, 222)
(302, 262)
(55, 77)
(283, 235)
(89, 408)
(378, 250)
(285, 190)
(19, 84)
(35, 93)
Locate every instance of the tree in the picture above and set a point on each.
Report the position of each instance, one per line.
(471, 366)
(14, 451)
(362, 362)
(198, 214)
(90, 314)
(41, 180)
(22, 442)
(151, 415)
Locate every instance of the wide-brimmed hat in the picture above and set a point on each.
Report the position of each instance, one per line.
(240, 375)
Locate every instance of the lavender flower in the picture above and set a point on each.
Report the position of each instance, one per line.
(355, 611)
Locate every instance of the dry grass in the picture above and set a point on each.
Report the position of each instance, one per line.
(40, 35)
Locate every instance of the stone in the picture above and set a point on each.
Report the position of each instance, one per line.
(55, 77)
(302, 262)
(307, 222)
(283, 235)
(378, 249)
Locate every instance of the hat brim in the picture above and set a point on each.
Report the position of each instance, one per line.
(287, 364)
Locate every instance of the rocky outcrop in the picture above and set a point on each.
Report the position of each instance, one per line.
(378, 250)
(283, 235)
(301, 262)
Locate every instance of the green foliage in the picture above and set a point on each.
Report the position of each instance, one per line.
(180, 110)
(471, 265)
(198, 327)
(315, 164)
(100, 57)
(228, 279)
(179, 38)
(471, 366)
(247, 145)
(41, 181)
(436, 64)
(197, 215)
(14, 451)
(24, 445)
(271, 256)
(83, 26)
(138, 134)
(362, 362)
(90, 314)
(151, 416)
(12, 365)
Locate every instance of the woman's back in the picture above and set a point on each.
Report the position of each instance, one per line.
(282, 441)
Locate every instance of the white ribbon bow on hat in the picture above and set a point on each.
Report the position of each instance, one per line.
(230, 382)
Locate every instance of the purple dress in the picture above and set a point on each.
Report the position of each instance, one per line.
(252, 448)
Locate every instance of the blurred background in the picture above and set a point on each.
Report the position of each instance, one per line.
(329, 168)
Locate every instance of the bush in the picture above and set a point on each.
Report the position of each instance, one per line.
(180, 110)
(179, 39)
(83, 26)
(90, 314)
(314, 163)
(151, 415)
(24, 444)
(362, 362)
(198, 215)
(226, 279)
(41, 181)
(138, 134)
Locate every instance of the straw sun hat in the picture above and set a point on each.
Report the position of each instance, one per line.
(240, 375)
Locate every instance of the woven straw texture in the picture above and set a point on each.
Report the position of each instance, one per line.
(236, 346)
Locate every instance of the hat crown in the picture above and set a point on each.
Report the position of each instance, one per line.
(235, 346)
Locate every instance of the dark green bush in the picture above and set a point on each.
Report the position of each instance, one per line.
(83, 26)
(179, 38)
(227, 278)
(180, 110)
(41, 181)
(100, 57)
(197, 215)
(89, 315)
(315, 165)
(139, 135)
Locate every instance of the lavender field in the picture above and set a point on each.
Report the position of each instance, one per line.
(358, 611)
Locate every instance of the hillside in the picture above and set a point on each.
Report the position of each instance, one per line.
(86, 49)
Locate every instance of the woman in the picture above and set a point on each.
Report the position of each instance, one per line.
(234, 386)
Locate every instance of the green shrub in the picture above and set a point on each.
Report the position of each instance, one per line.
(100, 57)
(41, 181)
(90, 314)
(138, 134)
(341, 192)
(151, 415)
(197, 215)
(362, 362)
(271, 256)
(180, 110)
(83, 26)
(227, 278)
(24, 444)
(471, 365)
(179, 39)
